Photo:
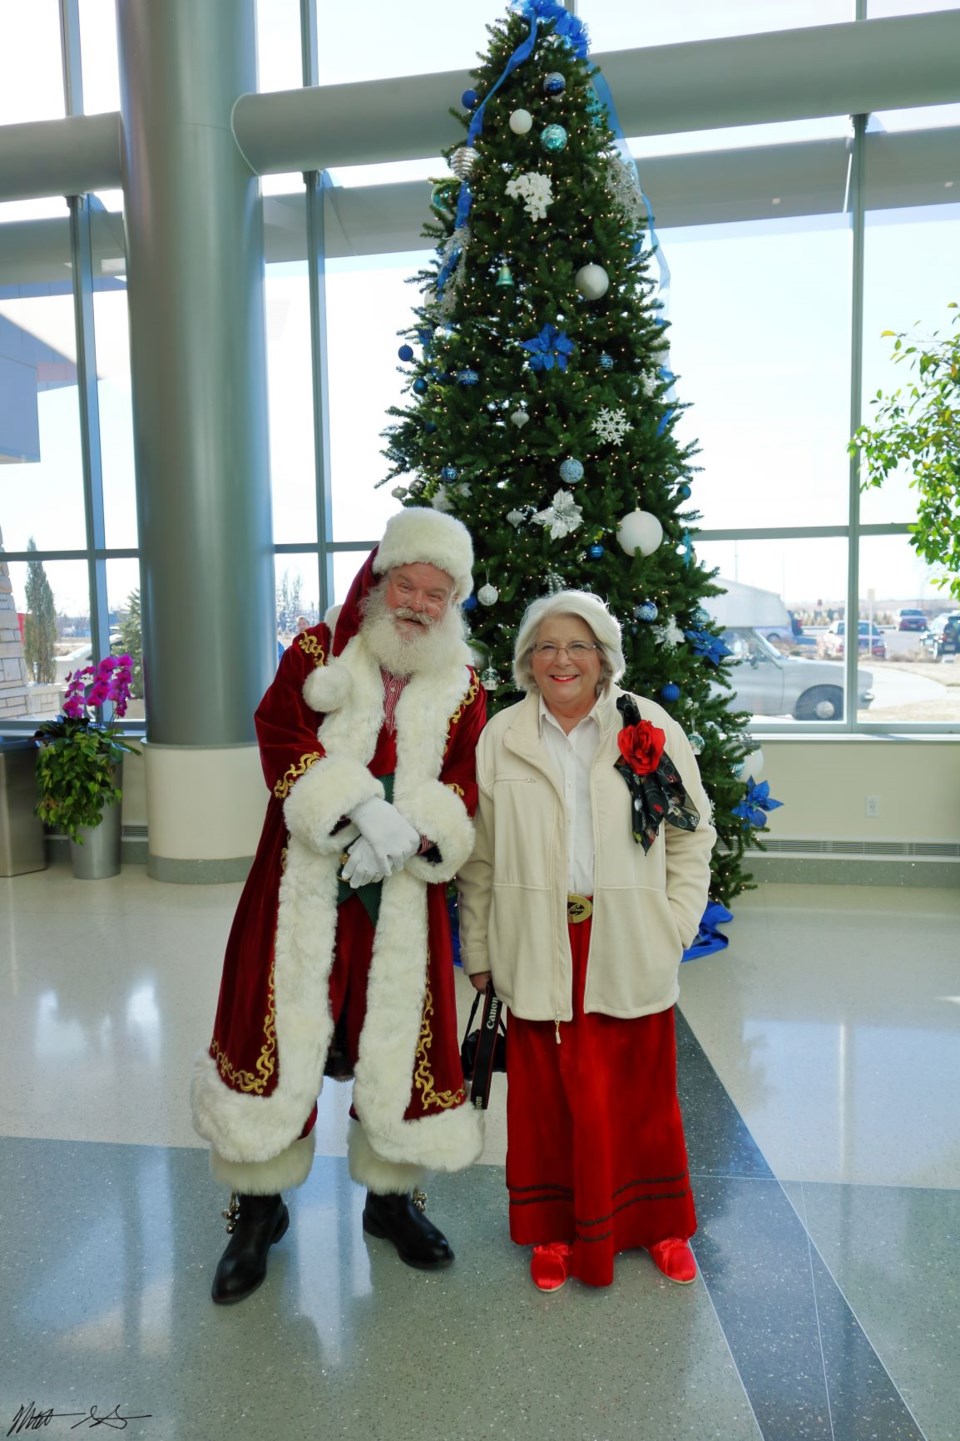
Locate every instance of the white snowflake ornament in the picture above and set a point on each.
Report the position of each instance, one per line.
(611, 425)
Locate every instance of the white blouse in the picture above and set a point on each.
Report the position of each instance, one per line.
(571, 756)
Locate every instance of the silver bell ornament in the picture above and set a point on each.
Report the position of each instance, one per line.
(463, 160)
(520, 418)
(488, 594)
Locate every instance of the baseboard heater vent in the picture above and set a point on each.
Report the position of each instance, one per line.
(897, 850)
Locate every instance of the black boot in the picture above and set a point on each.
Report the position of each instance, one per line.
(255, 1222)
(400, 1219)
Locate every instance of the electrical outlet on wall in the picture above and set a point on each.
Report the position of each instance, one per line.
(872, 807)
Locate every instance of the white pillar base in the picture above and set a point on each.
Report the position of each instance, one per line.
(205, 808)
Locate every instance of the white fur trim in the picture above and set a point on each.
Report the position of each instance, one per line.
(324, 794)
(430, 536)
(438, 813)
(386, 1178)
(247, 1127)
(328, 687)
(266, 1178)
(445, 1141)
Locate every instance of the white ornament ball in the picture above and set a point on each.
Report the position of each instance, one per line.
(592, 281)
(639, 531)
(521, 122)
(520, 418)
(488, 595)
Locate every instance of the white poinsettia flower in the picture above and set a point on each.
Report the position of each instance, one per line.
(562, 516)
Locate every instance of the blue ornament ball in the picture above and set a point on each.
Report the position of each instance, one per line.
(420, 386)
(554, 83)
(571, 471)
(684, 492)
(449, 472)
(646, 610)
(553, 138)
(670, 692)
(405, 352)
(701, 617)
(607, 362)
(429, 426)
(467, 377)
(469, 100)
(470, 603)
(595, 551)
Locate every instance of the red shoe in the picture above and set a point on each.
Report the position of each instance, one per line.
(674, 1259)
(550, 1265)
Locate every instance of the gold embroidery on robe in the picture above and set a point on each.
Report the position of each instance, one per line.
(423, 1076)
(266, 1061)
(452, 786)
(282, 788)
(468, 700)
(310, 645)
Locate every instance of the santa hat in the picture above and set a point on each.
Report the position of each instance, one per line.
(426, 535)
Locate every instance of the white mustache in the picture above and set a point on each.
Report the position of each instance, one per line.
(403, 612)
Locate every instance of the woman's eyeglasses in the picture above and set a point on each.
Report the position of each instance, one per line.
(576, 650)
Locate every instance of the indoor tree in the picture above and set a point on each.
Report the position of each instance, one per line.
(541, 408)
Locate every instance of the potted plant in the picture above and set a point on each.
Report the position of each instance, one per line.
(78, 764)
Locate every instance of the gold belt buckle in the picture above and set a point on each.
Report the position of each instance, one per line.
(578, 908)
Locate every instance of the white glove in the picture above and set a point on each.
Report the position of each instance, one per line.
(361, 866)
(392, 839)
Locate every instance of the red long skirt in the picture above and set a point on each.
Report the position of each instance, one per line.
(595, 1150)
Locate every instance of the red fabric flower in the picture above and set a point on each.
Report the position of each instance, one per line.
(641, 746)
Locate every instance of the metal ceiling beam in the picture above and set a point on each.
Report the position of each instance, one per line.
(850, 69)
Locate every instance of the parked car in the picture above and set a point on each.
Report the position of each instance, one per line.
(943, 637)
(769, 683)
(910, 619)
(831, 643)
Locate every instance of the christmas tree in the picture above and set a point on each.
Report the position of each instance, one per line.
(542, 409)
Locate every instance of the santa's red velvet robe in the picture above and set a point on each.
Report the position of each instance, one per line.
(324, 749)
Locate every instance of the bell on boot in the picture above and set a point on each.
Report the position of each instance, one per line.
(254, 1223)
(401, 1219)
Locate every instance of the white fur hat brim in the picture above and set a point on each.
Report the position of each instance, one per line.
(418, 534)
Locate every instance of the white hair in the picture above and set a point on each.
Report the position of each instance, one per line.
(586, 607)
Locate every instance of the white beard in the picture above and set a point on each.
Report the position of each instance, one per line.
(437, 647)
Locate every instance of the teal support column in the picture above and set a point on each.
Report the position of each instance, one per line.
(195, 274)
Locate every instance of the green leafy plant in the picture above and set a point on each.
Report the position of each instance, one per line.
(919, 426)
(79, 751)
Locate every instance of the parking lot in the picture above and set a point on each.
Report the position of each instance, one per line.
(908, 686)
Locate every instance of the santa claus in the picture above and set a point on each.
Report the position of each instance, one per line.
(339, 959)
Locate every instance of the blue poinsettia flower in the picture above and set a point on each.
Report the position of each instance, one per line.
(711, 647)
(567, 26)
(756, 802)
(548, 349)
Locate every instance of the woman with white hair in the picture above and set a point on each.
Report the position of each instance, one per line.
(588, 878)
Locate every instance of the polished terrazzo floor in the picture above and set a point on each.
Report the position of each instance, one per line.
(820, 1077)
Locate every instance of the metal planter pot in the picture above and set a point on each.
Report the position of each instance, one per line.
(99, 856)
